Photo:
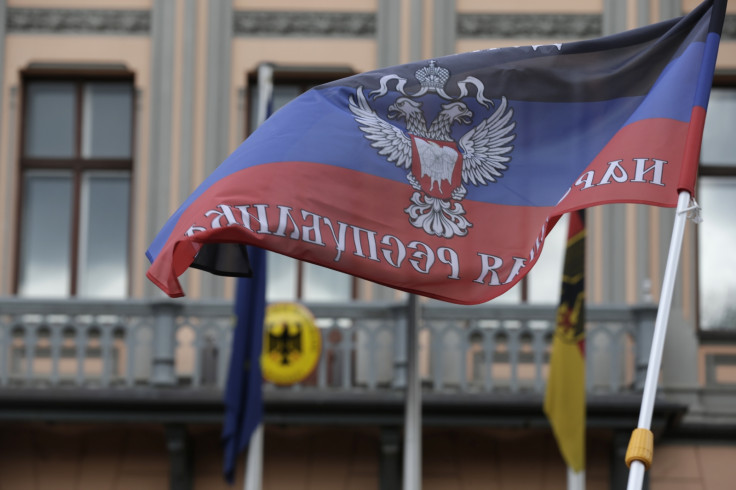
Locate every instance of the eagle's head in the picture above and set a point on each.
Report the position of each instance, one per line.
(404, 107)
(457, 112)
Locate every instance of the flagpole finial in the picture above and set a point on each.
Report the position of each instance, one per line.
(641, 447)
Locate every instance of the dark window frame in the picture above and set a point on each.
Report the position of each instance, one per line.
(77, 165)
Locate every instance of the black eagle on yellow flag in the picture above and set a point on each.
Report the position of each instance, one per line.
(564, 402)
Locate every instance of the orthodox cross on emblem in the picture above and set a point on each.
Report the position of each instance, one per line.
(439, 166)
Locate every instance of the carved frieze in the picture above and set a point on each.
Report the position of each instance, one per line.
(284, 24)
(78, 21)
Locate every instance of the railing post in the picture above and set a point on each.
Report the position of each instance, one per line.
(644, 318)
(399, 381)
(164, 342)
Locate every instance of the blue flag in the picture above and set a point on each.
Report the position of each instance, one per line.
(243, 395)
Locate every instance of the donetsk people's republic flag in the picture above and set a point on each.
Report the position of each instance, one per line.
(443, 177)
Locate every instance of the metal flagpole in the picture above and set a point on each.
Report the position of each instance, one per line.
(575, 479)
(413, 408)
(639, 453)
(254, 458)
(254, 461)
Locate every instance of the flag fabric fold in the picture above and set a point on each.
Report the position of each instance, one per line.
(243, 392)
(564, 401)
(443, 177)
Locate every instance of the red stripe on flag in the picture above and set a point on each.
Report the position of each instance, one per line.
(691, 158)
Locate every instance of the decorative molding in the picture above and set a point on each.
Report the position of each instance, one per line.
(444, 27)
(78, 21)
(388, 32)
(218, 38)
(643, 13)
(160, 100)
(615, 16)
(529, 25)
(729, 27)
(309, 24)
(669, 9)
(5, 188)
(416, 31)
(187, 99)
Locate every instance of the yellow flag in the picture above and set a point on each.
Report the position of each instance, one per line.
(564, 401)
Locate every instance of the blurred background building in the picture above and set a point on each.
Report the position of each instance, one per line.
(112, 112)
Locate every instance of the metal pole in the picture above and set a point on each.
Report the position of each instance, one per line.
(413, 413)
(637, 468)
(575, 479)
(254, 460)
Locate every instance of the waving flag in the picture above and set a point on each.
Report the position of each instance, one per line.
(443, 177)
(564, 401)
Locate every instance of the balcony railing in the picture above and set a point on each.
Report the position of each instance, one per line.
(186, 344)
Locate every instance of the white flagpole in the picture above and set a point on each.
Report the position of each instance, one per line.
(413, 408)
(575, 479)
(265, 91)
(254, 458)
(254, 461)
(639, 454)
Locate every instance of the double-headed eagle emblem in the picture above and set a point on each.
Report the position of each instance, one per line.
(439, 167)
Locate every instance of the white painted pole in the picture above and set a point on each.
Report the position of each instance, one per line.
(575, 479)
(254, 459)
(413, 407)
(265, 91)
(637, 468)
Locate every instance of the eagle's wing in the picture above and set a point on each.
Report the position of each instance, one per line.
(485, 147)
(389, 140)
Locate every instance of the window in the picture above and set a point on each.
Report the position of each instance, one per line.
(75, 166)
(717, 196)
(290, 279)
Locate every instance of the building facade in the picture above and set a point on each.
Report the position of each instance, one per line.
(111, 113)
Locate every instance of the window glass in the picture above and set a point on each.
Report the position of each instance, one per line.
(282, 277)
(104, 236)
(75, 216)
(719, 144)
(717, 196)
(717, 236)
(545, 279)
(50, 120)
(45, 233)
(326, 284)
(107, 120)
(512, 296)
